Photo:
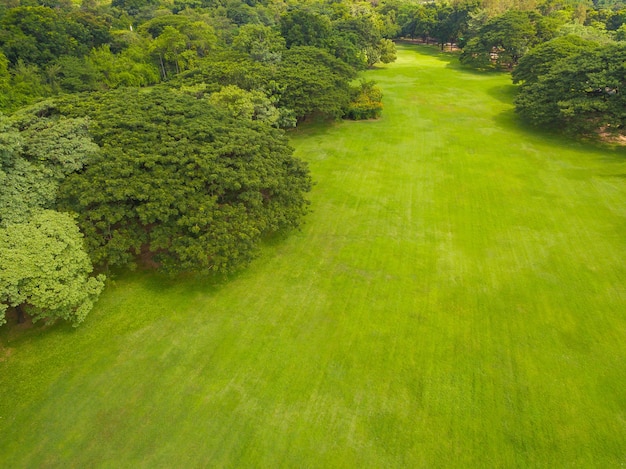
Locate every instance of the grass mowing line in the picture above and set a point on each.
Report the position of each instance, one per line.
(455, 299)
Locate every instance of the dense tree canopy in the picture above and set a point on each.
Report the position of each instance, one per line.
(503, 39)
(583, 92)
(36, 154)
(181, 182)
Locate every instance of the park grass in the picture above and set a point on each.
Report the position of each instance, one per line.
(456, 298)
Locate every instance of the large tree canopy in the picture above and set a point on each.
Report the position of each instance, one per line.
(313, 81)
(181, 182)
(44, 269)
(580, 93)
(503, 40)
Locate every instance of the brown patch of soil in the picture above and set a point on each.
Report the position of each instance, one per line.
(614, 138)
(146, 258)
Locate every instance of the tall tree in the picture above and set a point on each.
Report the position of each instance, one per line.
(503, 40)
(581, 93)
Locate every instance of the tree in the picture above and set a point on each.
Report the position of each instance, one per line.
(238, 103)
(37, 153)
(313, 81)
(366, 102)
(263, 43)
(181, 182)
(38, 34)
(45, 271)
(301, 27)
(581, 93)
(540, 59)
(503, 40)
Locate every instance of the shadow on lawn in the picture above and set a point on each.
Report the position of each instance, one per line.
(503, 93)
(510, 121)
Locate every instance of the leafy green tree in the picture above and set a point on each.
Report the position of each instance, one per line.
(417, 20)
(451, 20)
(313, 81)
(581, 93)
(540, 59)
(199, 36)
(503, 40)
(168, 48)
(45, 271)
(228, 67)
(38, 35)
(181, 182)
(301, 27)
(131, 67)
(252, 105)
(388, 52)
(263, 43)
(366, 102)
(37, 154)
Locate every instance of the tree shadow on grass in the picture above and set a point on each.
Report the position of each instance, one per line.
(610, 153)
(504, 93)
(451, 60)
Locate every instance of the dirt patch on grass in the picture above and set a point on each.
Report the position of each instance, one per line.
(612, 138)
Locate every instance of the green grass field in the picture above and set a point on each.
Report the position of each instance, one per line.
(457, 298)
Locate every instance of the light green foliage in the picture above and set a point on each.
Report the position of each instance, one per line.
(579, 93)
(366, 101)
(387, 51)
(589, 33)
(502, 41)
(20, 85)
(37, 153)
(179, 40)
(131, 67)
(45, 269)
(238, 103)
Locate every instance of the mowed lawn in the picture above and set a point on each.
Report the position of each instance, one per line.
(456, 298)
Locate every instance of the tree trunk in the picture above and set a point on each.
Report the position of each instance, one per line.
(162, 67)
(21, 316)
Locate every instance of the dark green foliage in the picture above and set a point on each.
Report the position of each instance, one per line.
(307, 80)
(538, 61)
(301, 27)
(581, 93)
(38, 35)
(75, 74)
(502, 41)
(313, 81)
(226, 68)
(181, 182)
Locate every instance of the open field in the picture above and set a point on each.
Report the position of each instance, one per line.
(457, 298)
